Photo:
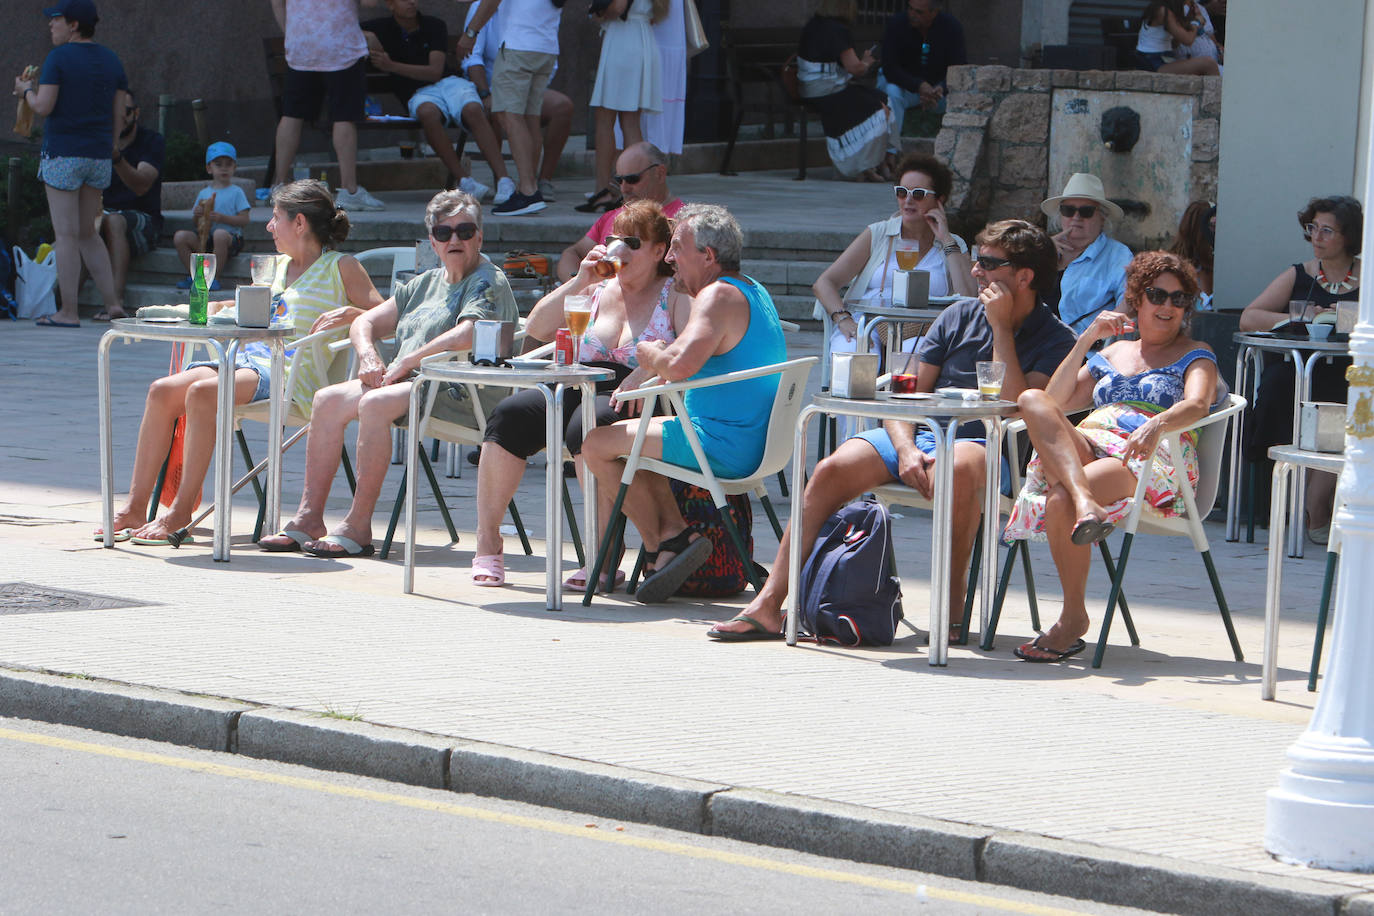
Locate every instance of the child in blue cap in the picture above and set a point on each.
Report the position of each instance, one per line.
(226, 207)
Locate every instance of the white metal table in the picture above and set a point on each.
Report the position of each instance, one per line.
(943, 416)
(1304, 353)
(1286, 459)
(552, 381)
(225, 341)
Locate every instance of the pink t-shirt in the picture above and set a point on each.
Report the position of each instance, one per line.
(323, 35)
(602, 227)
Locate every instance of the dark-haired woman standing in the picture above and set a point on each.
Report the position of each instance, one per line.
(315, 289)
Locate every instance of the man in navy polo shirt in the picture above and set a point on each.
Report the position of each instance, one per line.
(1007, 323)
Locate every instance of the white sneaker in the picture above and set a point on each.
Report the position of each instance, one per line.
(505, 187)
(547, 190)
(357, 200)
(475, 188)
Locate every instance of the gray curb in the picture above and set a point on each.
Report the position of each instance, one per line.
(773, 819)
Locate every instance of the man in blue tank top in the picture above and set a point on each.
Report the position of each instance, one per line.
(733, 326)
(1008, 323)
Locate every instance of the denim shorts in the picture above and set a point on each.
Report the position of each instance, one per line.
(450, 95)
(68, 173)
(925, 441)
(264, 389)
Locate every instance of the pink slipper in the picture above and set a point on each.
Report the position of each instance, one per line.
(577, 582)
(490, 568)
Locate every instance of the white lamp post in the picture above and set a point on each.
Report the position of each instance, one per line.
(1322, 812)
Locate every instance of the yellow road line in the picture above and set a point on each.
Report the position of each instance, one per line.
(533, 823)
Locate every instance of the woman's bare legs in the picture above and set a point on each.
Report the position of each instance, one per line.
(199, 404)
(498, 477)
(331, 411)
(1063, 452)
(605, 146)
(75, 240)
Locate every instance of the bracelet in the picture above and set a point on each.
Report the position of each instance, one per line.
(952, 248)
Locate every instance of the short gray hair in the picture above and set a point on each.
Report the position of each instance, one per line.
(715, 228)
(447, 203)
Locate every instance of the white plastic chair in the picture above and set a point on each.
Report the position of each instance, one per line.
(402, 257)
(1211, 440)
(777, 452)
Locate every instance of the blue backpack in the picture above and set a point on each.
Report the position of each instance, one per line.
(849, 592)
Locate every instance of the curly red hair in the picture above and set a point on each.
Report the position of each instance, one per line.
(1147, 267)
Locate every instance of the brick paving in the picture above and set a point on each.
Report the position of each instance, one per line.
(1166, 750)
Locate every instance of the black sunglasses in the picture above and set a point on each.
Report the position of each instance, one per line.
(464, 231)
(916, 193)
(1085, 212)
(1179, 298)
(633, 179)
(632, 242)
(988, 262)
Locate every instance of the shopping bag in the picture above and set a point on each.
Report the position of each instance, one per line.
(34, 282)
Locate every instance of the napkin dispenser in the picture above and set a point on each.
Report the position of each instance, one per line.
(1321, 427)
(254, 306)
(911, 288)
(1347, 315)
(854, 375)
(493, 342)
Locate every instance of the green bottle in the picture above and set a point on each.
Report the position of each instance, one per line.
(200, 295)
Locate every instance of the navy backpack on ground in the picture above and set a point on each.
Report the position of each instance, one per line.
(849, 592)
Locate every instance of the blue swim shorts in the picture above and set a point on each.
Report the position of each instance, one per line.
(925, 441)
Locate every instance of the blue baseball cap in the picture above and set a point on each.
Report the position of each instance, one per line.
(220, 148)
(82, 10)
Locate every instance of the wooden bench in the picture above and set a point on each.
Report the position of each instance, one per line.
(274, 50)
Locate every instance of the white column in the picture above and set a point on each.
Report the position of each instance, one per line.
(1322, 812)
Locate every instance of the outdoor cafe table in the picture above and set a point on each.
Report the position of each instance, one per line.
(1304, 352)
(552, 382)
(224, 341)
(943, 416)
(1286, 459)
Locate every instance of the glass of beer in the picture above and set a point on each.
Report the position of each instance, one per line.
(908, 253)
(990, 375)
(577, 312)
(612, 261)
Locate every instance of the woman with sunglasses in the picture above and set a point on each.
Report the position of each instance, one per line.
(432, 313)
(1091, 265)
(636, 304)
(1334, 226)
(1081, 479)
(869, 262)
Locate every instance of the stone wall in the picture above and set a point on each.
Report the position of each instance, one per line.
(997, 139)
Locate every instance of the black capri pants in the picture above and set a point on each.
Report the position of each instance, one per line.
(517, 423)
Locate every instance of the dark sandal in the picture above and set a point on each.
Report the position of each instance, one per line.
(688, 555)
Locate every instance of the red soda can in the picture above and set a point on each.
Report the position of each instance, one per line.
(563, 348)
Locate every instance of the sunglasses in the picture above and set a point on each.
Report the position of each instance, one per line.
(632, 179)
(1087, 211)
(916, 193)
(632, 242)
(1312, 230)
(988, 262)
(1179, 298)
(464, 231)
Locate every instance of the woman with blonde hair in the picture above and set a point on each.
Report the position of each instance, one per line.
(629, 81)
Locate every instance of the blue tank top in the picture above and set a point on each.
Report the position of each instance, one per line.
(732, 420)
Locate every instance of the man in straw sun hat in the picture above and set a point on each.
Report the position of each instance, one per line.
(1092, 266)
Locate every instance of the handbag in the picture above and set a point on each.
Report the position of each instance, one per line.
(34, 281)
(696, 34)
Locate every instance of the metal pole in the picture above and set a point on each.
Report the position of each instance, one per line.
(1321, 811)
(198, 112)
(164, 112)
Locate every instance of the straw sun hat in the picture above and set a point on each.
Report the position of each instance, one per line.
(1085, 187)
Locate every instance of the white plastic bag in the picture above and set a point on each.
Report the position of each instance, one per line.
(34, 282)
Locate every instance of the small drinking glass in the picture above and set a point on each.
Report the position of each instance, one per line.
(902, 366)
(908, 254)
(208, 260)
(990, 375)
(263, 268)
(1298, 310)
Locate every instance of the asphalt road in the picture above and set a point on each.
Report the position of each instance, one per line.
(93, 822)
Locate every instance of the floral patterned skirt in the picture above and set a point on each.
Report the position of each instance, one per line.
(1107, 428)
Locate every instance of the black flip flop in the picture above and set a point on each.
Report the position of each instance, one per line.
(1056, 655)
(759, 631)
(1090, 531)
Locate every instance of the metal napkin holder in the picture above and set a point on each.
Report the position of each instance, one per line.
(493, 343)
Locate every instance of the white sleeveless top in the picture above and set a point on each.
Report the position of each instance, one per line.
(1154, 39)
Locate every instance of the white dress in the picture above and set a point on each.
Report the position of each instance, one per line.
(628, 77)
(664, 129)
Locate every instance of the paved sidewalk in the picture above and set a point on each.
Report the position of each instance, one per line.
(1166, 751)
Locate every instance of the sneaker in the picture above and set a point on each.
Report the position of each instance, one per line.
(520, 204)
(357, 200)
(475, 188)
(184, 283)
(547, 190)
(505, 187)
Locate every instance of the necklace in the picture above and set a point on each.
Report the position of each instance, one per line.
(1336, 288)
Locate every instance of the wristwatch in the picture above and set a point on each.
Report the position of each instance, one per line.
(483, 93)
(470, 32)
